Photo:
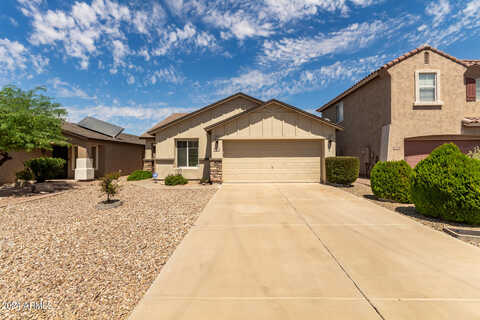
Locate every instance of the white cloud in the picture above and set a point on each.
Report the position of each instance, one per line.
(186, 38)
(15, 56)
(292, 81)
(168, 74)
(439, 9)
(301, 50)
(131, 79)
(65, 90)
(106, 113)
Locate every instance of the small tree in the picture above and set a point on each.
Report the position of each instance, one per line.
(28, 121)
(109, 184)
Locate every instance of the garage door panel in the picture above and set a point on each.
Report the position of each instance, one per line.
(272, 161)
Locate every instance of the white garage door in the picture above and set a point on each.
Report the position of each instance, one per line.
(271, 161)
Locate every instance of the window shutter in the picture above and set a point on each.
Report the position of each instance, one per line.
(471, 89)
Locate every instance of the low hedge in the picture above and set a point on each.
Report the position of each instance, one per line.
(173, 180)
(45, 168)
(342, 170)
(25, 175)
(446, 185)
(139, 175)
(391, 180)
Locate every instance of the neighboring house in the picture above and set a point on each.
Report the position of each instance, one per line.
(242, 139)
(97, 148)
(408, 107)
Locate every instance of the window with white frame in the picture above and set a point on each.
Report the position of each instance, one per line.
(339, 111)
(427, 87)
(478, 89)
(187, 153)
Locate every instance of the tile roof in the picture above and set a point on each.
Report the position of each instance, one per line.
(167, 120)
(390, 64)
(75, 129)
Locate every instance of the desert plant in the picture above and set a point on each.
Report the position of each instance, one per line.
(174, 179)
(446, 185)
(139, 175)
(342, 170)
(26, 175)
(391, 180)
(109, 185)
(44, 168)
(474, 153)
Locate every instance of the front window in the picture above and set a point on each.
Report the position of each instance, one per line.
(427, 87)
(187, 153)
(339, 108)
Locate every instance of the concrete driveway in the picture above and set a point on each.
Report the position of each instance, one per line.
(309, 251)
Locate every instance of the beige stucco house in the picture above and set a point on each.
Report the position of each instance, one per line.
(92, 153)
(242, 139)
(408, 107)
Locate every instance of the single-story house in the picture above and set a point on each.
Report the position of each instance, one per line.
(242, 139)
(97, 148)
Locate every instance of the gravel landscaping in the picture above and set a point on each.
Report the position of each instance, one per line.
(60, 258)
(361, 188)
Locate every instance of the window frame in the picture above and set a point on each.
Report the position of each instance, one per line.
(339, 106)
(96, 156)
(437, 101)
(188, 154)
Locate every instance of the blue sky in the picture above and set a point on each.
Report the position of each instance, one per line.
(134, 62)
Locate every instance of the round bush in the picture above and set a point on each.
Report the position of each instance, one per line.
(391, 180)
(446, 185)
(173, 180)
(342, 170)
(139, 175)
(45, 168)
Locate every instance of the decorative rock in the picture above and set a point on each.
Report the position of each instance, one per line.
(43, 187)
(104, 205)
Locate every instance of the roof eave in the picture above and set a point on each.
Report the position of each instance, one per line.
(212, 105)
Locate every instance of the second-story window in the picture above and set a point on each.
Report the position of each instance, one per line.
(427, 87)
(339, 112)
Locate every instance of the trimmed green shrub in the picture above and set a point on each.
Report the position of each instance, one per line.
(139, 175)
(109, 185)
(391, 180)
(25, 174)
(45, 168)
(342, 170)
(173, 180)
(446, 185)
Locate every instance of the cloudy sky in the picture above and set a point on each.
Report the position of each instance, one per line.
(134, 62)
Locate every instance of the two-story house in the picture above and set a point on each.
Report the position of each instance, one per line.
(408, 107)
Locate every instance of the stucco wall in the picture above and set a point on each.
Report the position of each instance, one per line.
(413, 121)
(165, 158)
(365, 112)
(9, 168)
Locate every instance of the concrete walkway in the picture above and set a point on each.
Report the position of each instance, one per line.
(309, 251)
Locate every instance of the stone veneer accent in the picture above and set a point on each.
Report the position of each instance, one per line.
(216, 171)
(148, 165)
